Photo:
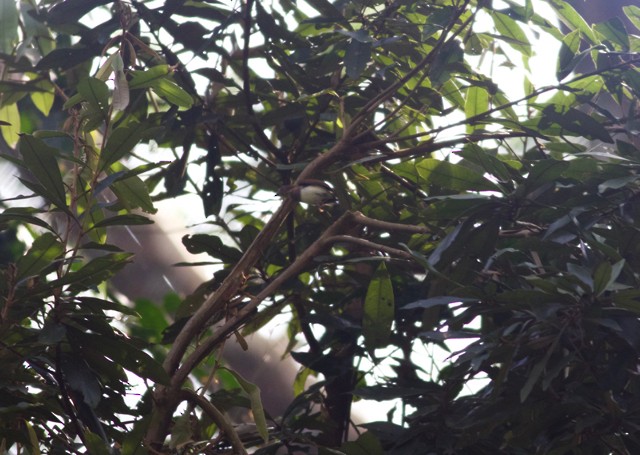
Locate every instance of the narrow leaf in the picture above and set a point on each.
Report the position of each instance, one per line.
(476, 103)
(509, 28)
(8, 26)
(10, 126)
(40, 160)
(357, 57)
(379, 308)
(120, 91)
(120, 143)
(43, 252)
(124, 220)
(132, 193)
(633, 13)
(172, 92)
(144, 79)
(256, 404)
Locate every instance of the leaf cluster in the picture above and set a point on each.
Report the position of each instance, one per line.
(499, 228)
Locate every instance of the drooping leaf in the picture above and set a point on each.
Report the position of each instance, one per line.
(357, 57)
(476, 103)
(40, 160)
(132, 193)
(572, 19)
(256, 404)
(379, 309)
(120, 143)
(10, 126)
(144, 79)
(8, 27)
(44, 251)
(94, 272)
(121, 84)
(24, 215)
(574, 121)
(447, 175)
(172, 92)
(123, 352)
(509, 28)
(615, 32)
(567, 60)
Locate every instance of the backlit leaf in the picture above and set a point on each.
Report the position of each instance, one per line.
(10, 126)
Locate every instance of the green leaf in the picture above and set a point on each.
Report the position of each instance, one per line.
(583, 274)
(43, 99)
(96, 93)
(537, 371)
(601, 277)
(95, 444)
(572, 19)
(633, 13)
(44, 251)
(357, 57)
(605, 275)
(256, 404)
(172, 92)
(34, 445)
(566, 58)
(120, 143)
(8, 27)
(132, 193)
(379, 310)
(615, 32)
(509, 28)
(123, 352)
(574, 121)
(448, 176)
(124, 220)
(79, 378)
(24, 215)
(366, 444)
(10, 126)
(94, 272)
(152, 319)
(476, 103)
(144, 79)
(40, 160)
(628, 299)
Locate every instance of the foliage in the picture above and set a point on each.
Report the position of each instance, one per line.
(464, 212)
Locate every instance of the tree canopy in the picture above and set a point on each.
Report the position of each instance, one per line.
(500, 224)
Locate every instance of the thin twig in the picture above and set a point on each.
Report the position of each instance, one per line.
(217, 416)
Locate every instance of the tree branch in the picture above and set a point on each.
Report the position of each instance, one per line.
(217, 416)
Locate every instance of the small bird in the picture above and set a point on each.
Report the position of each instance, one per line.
(309, 191)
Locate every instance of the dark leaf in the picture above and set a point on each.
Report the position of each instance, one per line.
(211, 245)
(40, 160)
(379, 310)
